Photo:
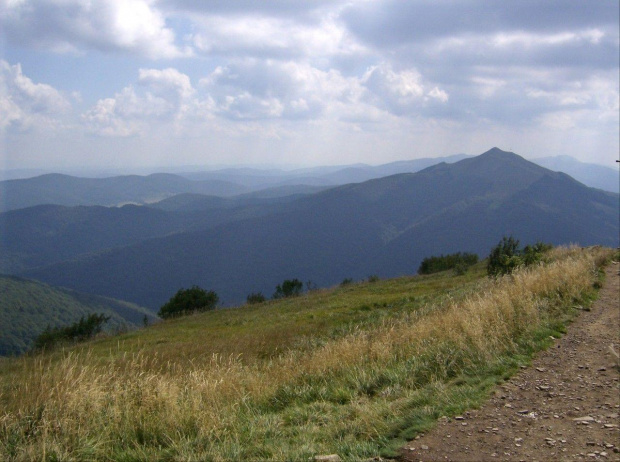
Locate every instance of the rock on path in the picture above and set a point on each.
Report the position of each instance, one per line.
(563, 408)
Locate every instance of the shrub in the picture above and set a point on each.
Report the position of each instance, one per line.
(187, 301)
(533, 253)
(434, 264)
(346, 282)
(373, 278)
(255, 298)
(80, 331)
(506, 256)
(289, 288)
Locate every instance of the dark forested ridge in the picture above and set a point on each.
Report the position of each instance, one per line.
(48, 234)
(28, 307)
(384, 226)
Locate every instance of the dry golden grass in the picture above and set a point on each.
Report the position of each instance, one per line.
(348, 394)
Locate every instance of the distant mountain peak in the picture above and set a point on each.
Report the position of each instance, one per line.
(495, 152)
(496, 158)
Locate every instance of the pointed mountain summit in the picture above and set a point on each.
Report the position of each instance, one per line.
(498, 153)
(496, 160)
(505, 170)
(384, 226)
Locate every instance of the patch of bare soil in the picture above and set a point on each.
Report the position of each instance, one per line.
(563, 408)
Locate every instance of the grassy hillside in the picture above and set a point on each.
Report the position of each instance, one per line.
(353, 370)
(27, 307)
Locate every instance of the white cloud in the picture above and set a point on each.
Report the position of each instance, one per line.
(109, 117)
(253, 89)
(343, 70)
(401, 92)
(528, 40)
(274, 37)
(135, 26)
(161, 96)
(588, 104)
(168, 83)
(160, 102)
(24, 104)
(438, 94)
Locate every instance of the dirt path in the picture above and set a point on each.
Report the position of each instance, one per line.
(563, 408)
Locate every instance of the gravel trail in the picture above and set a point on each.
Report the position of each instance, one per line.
(563, 408)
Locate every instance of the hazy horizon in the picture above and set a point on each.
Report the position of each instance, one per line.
(149, 84)
(99, 172)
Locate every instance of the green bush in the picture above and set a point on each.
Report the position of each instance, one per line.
(434, 264)
(187, 301)
(80, 331)
(533, 253)
(506, 256)
(255, 298)
(289, 288)
(345, 282)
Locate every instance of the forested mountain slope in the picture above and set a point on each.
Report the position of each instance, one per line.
(384, 226)
(28, 307)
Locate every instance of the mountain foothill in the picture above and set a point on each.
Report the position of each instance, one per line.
(236, 232)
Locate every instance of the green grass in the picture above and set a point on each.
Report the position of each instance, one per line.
(354, 370)
(268, 329)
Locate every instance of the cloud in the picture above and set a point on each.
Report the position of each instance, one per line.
(114, 117)
(255, 89)
(580, 49)
(244, 91)
(453, 43)
(271, 89)
(273, 38)
(159, 96)
(279, 8)
(25, 104)
(290, 70)
(168, 83)
(134, 26)
(402, 92)
(394, 23)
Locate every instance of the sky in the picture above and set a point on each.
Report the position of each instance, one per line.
(152, 83)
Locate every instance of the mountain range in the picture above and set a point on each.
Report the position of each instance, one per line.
(596, 176)
(59, 189)
(236, 246)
